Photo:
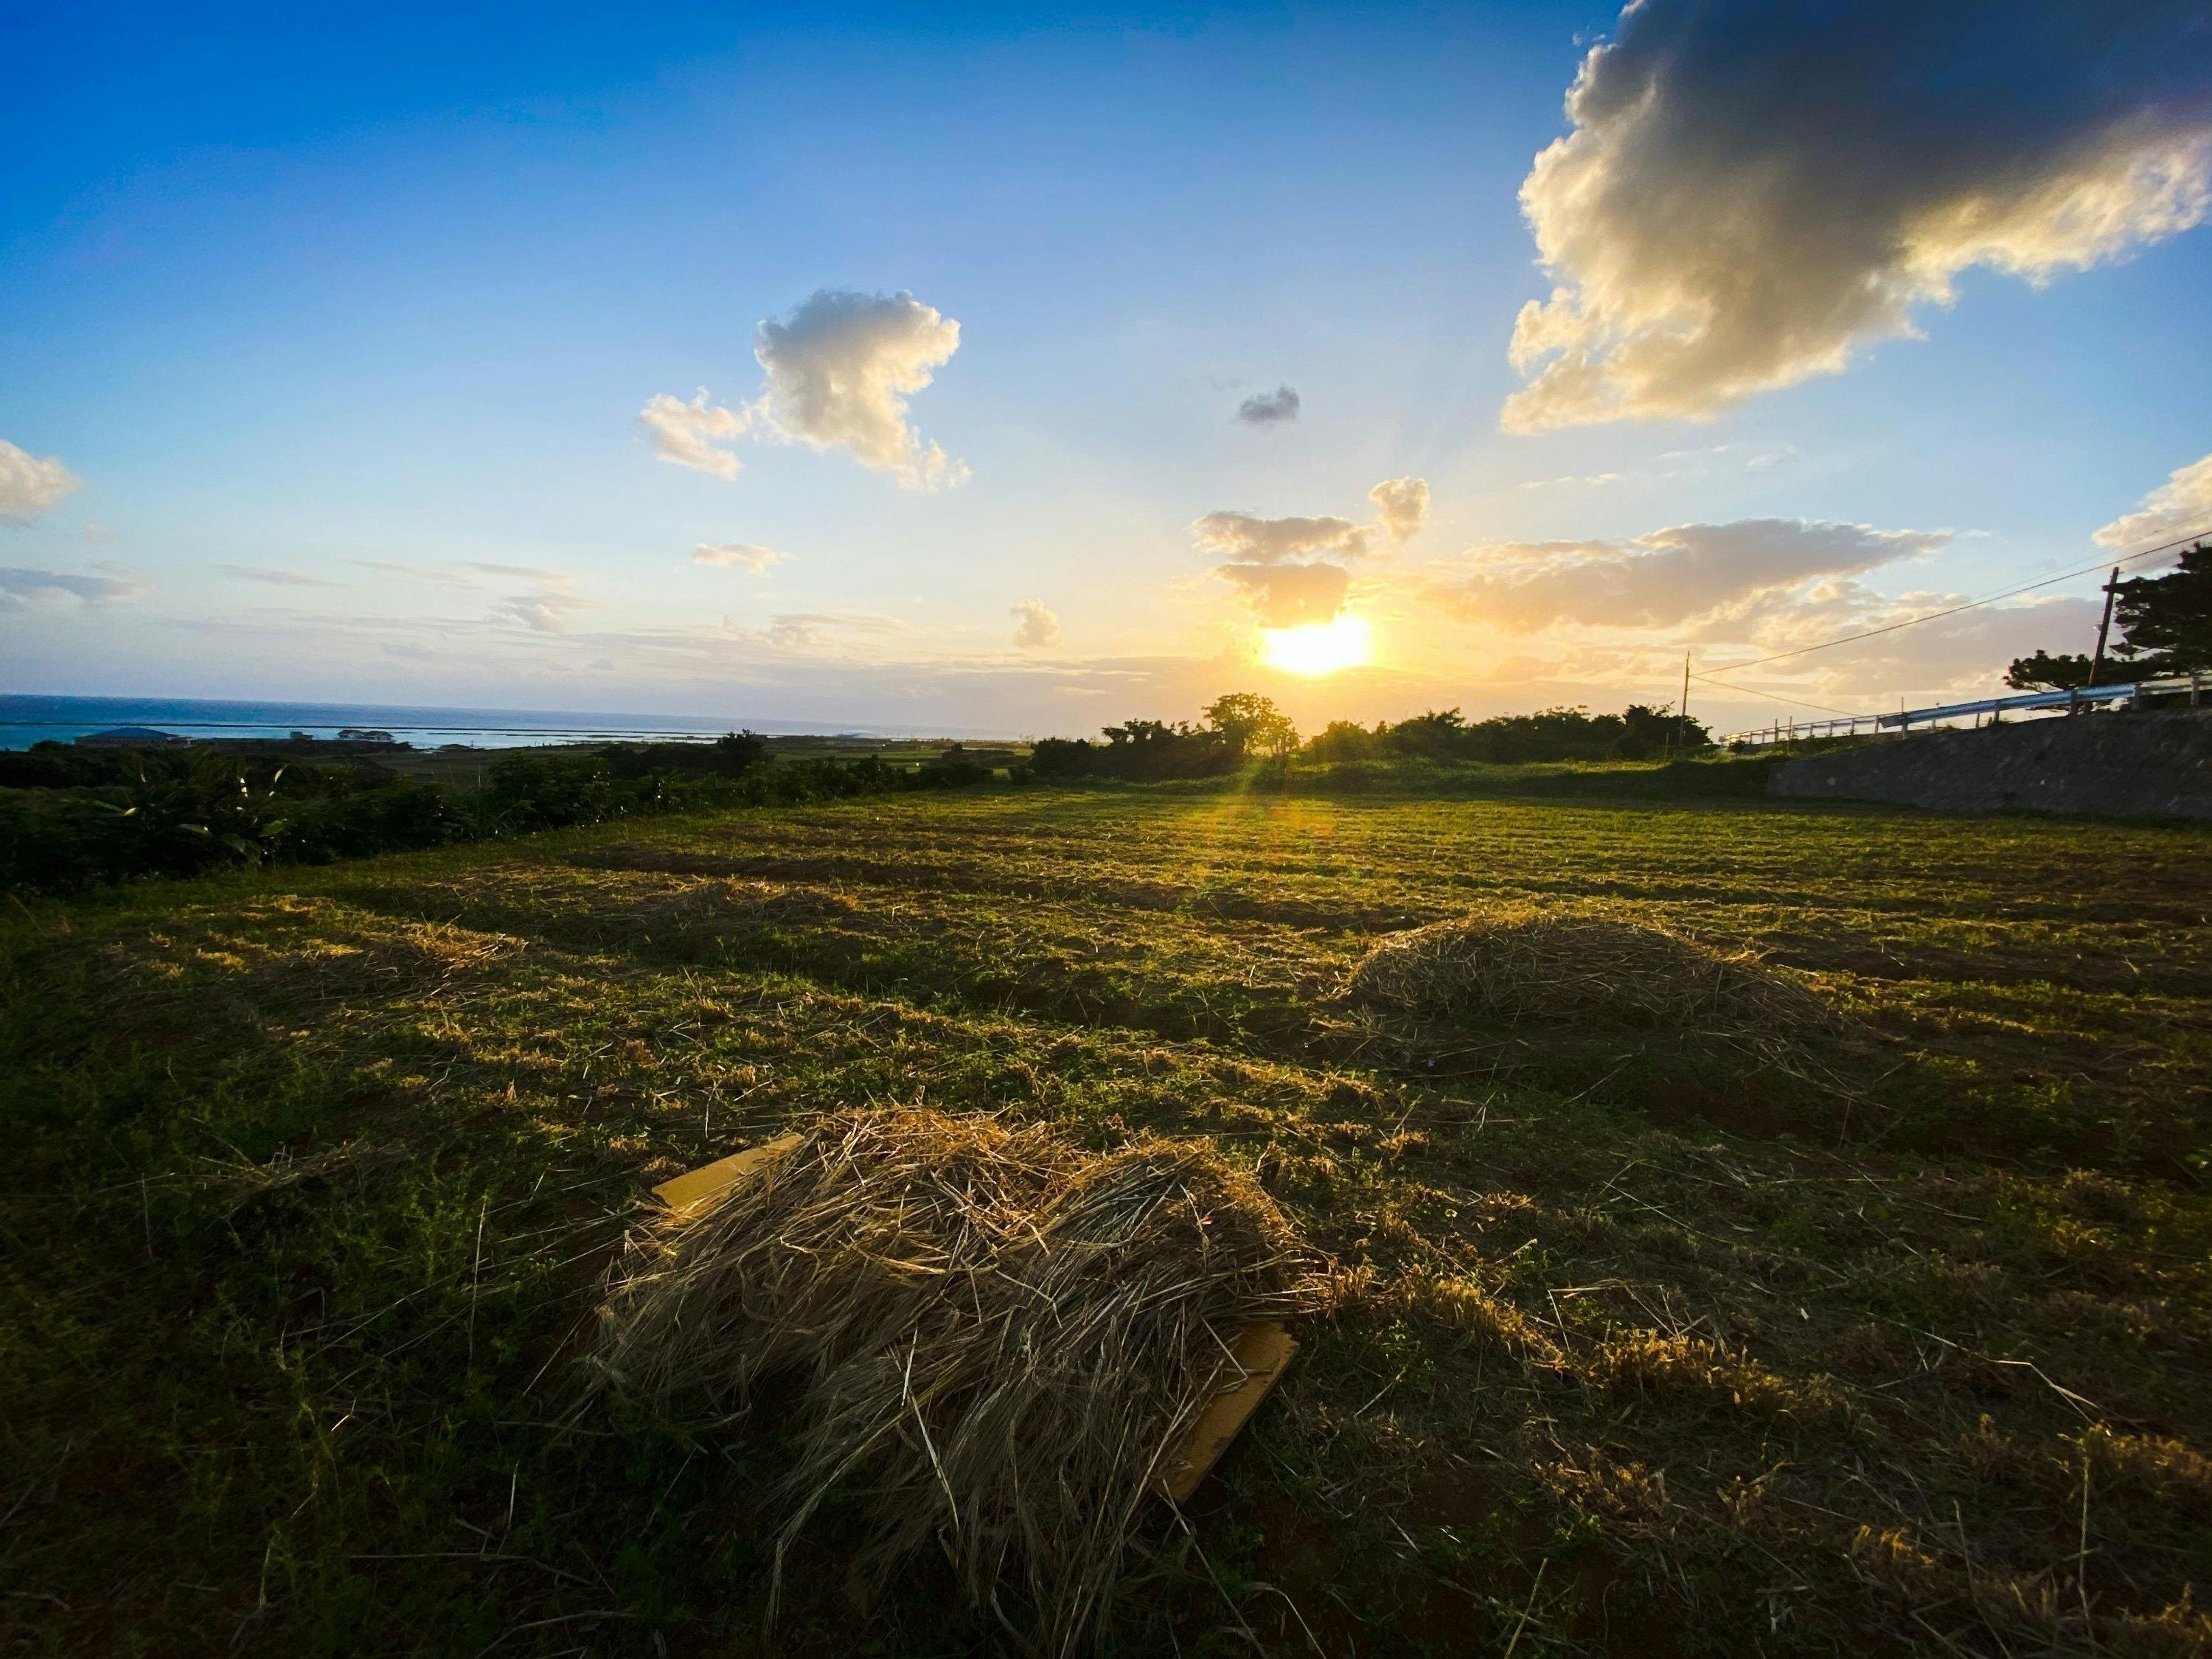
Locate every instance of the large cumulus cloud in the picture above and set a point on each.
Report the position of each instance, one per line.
(1752, 190)
(1665, 577)
(838, 373)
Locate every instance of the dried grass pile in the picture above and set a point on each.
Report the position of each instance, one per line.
(997, 1337)
(1531, 964)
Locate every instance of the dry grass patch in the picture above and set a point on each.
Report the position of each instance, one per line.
(1003, 1335)
(288, 952)
(1540, 964)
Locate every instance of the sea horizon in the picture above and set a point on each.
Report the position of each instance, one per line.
(27, 718)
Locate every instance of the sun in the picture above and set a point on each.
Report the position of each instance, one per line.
(1316, 649)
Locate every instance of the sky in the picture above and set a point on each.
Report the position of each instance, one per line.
(1014, 372)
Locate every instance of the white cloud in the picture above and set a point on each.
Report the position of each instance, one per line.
(1036, 626)
(30, 488)
(542, 613)
(744, 556)
(545, 611)
(1751, 192)
(1669, 576)
(2180, 507)
(839, 372)
(1269, 408)
(97, 533)
(1401, 506)
(687, 434)
(18, 585)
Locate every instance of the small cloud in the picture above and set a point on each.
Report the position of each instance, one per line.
(542, 613)
(19, 584)
(1286, 568)
(98, 533)
(1269, 408)
(838, 372)
(813, 630)
(410, 650)
(1036, 627)
(2180, 507)
(254, 573)
(30, 488)
(1243, 536)
(1401, 506)
(742, 556)
(686, 434)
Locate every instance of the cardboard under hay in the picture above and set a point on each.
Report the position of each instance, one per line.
(1001, 1342)
(1564, 965)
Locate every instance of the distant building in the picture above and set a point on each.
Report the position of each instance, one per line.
(132, 736)
(365, 734)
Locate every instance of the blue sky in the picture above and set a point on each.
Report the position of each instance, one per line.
(298, 296)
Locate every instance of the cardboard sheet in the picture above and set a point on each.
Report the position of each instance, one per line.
(697, 1186)
(1256, 1363)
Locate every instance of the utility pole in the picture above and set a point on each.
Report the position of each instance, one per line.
(1682, 709)
(2104, 627)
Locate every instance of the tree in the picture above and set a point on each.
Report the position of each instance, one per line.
(1252, 723)
(1342, 740)
(2166, 621)
(2045, 673)
(1437, 735)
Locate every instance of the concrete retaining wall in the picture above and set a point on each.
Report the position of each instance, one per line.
(2131, 765)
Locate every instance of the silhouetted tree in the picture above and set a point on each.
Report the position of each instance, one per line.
(2045, 673)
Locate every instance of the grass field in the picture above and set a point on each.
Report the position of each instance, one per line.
(1633, 1342)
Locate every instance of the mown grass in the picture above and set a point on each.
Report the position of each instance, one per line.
(1637, 1342)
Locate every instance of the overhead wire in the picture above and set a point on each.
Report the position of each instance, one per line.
(1971, 604)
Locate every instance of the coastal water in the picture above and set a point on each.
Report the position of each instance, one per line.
(25, 720)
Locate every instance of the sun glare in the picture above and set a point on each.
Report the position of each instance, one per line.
(1316, 649)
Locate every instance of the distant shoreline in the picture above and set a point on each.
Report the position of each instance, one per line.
(29, 718)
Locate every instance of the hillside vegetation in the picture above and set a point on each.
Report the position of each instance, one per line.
(1649, 1335)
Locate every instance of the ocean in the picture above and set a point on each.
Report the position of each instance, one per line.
(25, 720)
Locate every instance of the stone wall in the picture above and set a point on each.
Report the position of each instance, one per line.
(2126, 765)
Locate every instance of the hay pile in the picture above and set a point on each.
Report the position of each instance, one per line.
(1552, 965)
(1001, 1336)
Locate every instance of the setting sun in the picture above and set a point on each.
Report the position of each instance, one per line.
(1317, 647)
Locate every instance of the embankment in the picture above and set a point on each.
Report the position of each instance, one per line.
(2133, 765)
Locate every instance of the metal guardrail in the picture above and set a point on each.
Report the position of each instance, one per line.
(1996, 708)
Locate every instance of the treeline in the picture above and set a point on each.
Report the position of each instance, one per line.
(1242, 727)
(2165, 627)
(73, 819)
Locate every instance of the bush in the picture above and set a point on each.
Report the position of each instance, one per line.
(109, 816)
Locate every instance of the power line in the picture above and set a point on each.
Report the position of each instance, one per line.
(1770, 696)
(1972, 605)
